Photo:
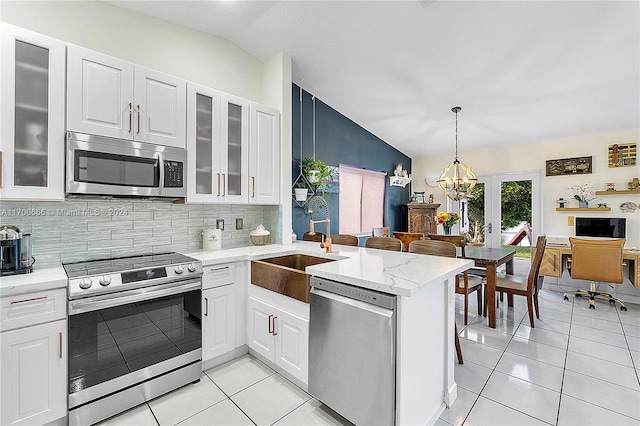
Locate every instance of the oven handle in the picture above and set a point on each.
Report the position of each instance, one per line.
(146, 293)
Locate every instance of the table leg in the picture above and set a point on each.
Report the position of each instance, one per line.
(509, 270)
(490, 294)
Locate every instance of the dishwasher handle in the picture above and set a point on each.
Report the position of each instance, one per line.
(352, 302)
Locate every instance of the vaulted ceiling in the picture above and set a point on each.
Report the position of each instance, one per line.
(522, 71)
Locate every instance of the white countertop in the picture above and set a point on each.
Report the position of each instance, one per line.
(391, 272)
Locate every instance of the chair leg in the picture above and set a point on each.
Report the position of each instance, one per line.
(530, 306)
(458, 347)
(535, 302)
(466, 308)
(479, 294)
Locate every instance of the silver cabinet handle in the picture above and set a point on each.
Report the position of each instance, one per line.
(253, 186)
(130, 117)
(206, 307)
(13, 302)
(275, 333)
(218, 184)
(138, 118)
(270, 324)
(60, 350)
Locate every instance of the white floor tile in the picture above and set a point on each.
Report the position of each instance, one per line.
(536, 372)
(222, 414)
(486, 336)
(185, 402)
(598, 324)
(487, 412)
(312, 413)
(555, 305)
(553, 315)
(137, 416)
(600, 350)
(634, 343)
(603, 370)
(631, 330)
(553, 325)
(602, 311)
(636, 359)
(270, 399)
(471, 376)
(600, 336)
(540, 402)
(603, 394)
(480, 354)
(239, 374)
(460, 408)
(538, 351)
(541, 335)
(441, 422)
(574, 412)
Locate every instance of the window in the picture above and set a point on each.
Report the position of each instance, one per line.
(361, 200)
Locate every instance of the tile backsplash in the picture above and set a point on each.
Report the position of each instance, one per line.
(81, 229)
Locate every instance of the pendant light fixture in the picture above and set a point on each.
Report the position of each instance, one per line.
(457, 180)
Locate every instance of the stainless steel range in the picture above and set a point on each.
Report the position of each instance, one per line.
(134, 331)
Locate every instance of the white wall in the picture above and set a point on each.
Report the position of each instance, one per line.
(529, 157)
(176, 50)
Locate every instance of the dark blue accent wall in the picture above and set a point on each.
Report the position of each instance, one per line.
(341, 141)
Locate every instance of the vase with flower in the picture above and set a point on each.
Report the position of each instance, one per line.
(447, 220)
(583, 193)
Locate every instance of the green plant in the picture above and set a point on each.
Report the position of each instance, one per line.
(317, 173)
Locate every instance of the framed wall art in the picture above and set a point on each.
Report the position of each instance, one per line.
(622, 155)
(569, 166)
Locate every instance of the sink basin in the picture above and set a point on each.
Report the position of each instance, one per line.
(285, 274)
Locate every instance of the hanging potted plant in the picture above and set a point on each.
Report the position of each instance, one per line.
(301, 191)
(317, 173)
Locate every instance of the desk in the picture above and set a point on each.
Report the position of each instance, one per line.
(491, 258)
(554, 262)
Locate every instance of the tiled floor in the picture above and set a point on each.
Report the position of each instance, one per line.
(576, 367)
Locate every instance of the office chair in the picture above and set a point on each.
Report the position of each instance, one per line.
(596, 260)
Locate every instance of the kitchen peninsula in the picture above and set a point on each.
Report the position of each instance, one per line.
(425, 311)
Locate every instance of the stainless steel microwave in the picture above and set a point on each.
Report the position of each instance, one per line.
(99, 165)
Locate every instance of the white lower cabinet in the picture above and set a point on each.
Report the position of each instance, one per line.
(218, 321)
(280, 337)
(34, 370)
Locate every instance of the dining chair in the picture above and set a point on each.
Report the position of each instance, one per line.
(318, 237)
(519, 285)
(439, 248)
(407, 237)
(384, 243)
(382, 231)
(596, 261)
(345, 240)
(471, 282)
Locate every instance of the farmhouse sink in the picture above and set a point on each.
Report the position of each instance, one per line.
(285, 274)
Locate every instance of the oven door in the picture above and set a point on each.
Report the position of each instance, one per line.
(122, 340)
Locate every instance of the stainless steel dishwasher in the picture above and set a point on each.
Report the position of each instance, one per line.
(352, 351)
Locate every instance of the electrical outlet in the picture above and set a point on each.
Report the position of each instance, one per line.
(239, 224)
(220, 224)
(569, 220)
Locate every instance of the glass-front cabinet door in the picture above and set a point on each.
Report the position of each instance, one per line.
(235, 148)
(204, 183)
(32, 86)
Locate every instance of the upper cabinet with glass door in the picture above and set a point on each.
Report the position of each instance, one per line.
(110, 97)
(32, 82)
(235, 147)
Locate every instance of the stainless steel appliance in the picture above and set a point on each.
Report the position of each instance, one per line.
(134, 331)
(352, 351)
(15, 251)
(98, 165)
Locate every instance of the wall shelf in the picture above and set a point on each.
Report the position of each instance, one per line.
(399, 181)
(583, 209)
(624, 191)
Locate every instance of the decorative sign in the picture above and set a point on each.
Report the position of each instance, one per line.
(622, 155)
(569, 166)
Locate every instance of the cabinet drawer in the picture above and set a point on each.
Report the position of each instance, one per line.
(33, 308)
(217, 275)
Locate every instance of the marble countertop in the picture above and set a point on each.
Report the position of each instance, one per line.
(391, 272)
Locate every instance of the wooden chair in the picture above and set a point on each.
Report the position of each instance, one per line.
(407, 238)
(318, 237)
(525, 286)
(597, 261)
(384, 243)
(439, 248)
(380, 232)
(345, 240)
(471, 280)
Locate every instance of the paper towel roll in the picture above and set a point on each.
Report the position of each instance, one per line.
(211, 239)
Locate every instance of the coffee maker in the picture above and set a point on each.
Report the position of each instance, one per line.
(15, 253)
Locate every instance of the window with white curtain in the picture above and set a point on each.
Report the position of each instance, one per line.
(361, 200)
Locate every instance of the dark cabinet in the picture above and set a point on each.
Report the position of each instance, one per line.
(421, 218)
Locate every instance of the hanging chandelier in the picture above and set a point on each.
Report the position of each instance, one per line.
(457, 180)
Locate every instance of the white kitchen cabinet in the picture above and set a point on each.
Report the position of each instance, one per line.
(33, 349)
(32, 81)
(218, 310)
(234, 154)
(264, 155)
(280, 337)
(110, 97)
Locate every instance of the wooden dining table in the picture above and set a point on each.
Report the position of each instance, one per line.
(491, 258)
